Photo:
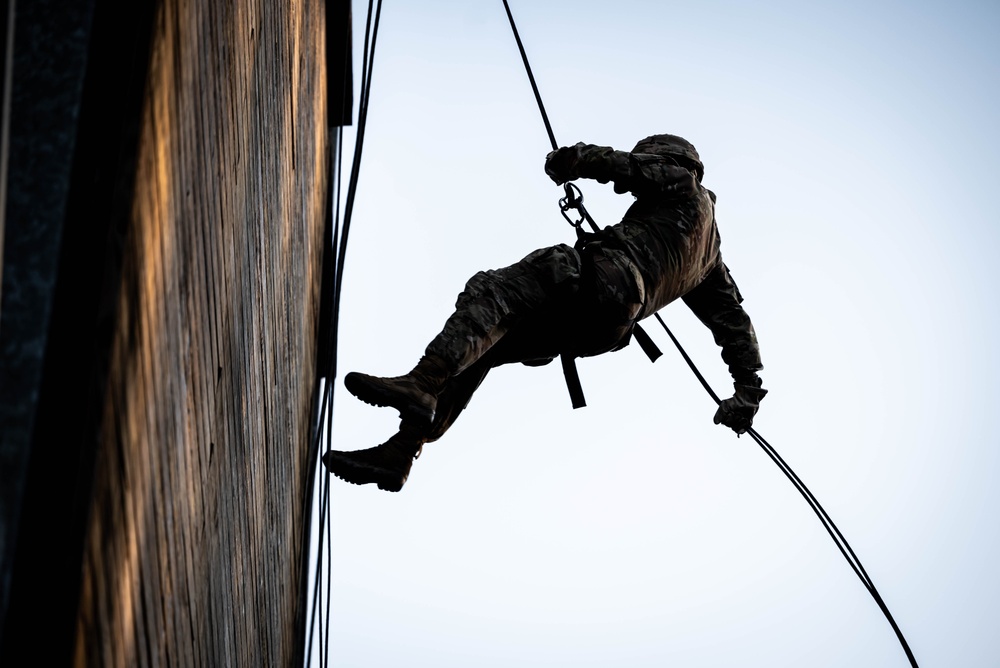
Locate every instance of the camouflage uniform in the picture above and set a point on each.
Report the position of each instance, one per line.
(584, 300)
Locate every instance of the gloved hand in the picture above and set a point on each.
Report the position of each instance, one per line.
(560, 164)
(737, 413)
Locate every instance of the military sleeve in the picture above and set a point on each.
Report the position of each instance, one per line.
(716, 301)
(638, 173)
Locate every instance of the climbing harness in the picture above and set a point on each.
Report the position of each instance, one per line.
(574, 200)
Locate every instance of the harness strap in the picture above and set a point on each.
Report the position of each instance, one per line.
(572, 380)
(646, 343)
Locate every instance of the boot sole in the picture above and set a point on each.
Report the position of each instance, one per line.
(376, 394)
(362, 474)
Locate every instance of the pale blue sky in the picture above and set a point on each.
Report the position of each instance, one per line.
(854, 150)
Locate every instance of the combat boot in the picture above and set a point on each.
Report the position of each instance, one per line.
(387, 465)
(413, 395)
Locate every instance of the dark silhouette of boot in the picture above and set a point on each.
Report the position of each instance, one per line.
(413, 395)
(387, 465)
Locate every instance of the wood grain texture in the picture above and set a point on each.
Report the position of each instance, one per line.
(195, 542)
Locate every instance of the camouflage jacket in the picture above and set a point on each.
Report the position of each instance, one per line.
(670, 235)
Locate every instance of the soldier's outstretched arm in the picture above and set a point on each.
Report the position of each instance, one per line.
(717, 302)
(638, 173)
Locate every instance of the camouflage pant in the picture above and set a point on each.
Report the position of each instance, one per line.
(556, 300)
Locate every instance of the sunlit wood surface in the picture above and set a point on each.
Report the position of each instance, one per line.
(195, 542)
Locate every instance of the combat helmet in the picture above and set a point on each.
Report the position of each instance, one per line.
(674, 147)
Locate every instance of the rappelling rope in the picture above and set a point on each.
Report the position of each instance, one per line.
(824, 517)
(336, 240)
(572, 199)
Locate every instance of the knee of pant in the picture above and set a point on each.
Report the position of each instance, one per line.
(499, 291)
(477, 286)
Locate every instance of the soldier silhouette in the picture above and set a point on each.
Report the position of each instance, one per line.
(580, 300)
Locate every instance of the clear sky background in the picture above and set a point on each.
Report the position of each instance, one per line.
(855, 151)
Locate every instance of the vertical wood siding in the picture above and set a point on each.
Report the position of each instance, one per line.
(194, 547)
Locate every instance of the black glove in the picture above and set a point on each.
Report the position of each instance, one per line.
(560, 164)
(737, 413)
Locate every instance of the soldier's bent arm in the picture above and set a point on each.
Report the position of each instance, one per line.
(638, 173)
(716, 301)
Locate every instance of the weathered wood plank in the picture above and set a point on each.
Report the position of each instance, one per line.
(194, 546)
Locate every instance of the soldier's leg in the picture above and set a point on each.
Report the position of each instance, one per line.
(538, 337)
(495, 301)
(509, 315)
(388, 465)
(492, 303)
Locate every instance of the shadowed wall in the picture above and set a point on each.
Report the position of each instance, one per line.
(193, 552)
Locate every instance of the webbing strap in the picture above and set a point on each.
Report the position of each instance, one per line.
(647, 344)
(572, 380)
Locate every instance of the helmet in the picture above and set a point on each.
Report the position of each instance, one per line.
(674, 147)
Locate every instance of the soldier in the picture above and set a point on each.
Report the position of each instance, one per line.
(581, 301)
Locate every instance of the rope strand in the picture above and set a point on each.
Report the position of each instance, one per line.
(531, 77)
(337, 237)
(828, 523)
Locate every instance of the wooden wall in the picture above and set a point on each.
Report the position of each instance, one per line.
(194, 548)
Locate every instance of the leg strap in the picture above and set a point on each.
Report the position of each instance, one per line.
(573, 381)
(646, 343)
(573, 376)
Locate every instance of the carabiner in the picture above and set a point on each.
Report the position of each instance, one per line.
(572, 200)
